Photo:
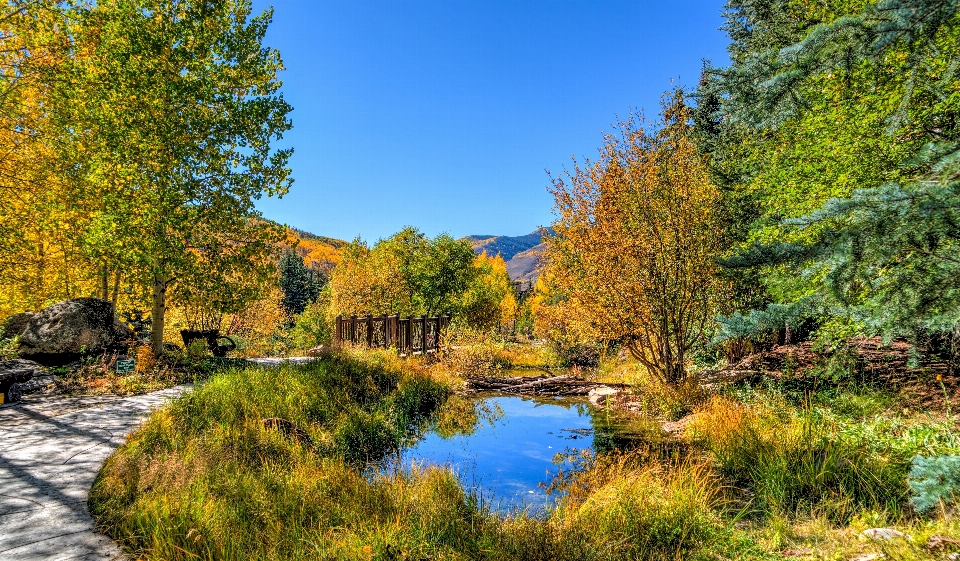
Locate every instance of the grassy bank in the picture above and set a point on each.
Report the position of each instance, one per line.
(274, 464)
(208, 477)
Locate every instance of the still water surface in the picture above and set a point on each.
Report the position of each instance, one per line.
(509, 450)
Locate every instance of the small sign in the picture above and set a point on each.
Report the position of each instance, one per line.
(126, 366)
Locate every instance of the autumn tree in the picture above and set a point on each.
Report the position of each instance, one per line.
(489, 300)
(558, 317)
(176, 104)
(407, 273)
(637, 238)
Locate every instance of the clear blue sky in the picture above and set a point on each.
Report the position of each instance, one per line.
(445, 114)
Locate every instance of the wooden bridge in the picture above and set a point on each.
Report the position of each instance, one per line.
(411, 335)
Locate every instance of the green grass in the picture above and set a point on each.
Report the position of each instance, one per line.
(757, 473)
(204, 478)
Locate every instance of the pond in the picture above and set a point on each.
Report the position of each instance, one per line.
(503, 447)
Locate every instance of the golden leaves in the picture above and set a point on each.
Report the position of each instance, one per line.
(636, 241)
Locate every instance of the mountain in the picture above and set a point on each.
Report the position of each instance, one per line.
(506, 246)
(525, 265)
(319, 253)
(522, 253)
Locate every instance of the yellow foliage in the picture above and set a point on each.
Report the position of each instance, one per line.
(637, 240)
(556, 319)
(40, 261)
(146, 361)
(490, 300)
(367, 282)
(320, 254)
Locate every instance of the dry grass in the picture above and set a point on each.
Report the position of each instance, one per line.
(756, 474)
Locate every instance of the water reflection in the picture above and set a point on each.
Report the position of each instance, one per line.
(503, 447)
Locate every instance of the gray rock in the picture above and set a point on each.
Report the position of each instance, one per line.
(21, 364)
(601, 396)
(678, 426)
(882, 534)
(38, 384)
(15, 325)
(64, 332)
(13, 373)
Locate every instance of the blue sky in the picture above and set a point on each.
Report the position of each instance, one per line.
(445, 115)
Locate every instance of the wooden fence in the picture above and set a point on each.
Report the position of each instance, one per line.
(412, 335)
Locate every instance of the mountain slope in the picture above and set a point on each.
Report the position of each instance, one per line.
(522, 253)
(319, 253)
(525, 266)
(506, 246)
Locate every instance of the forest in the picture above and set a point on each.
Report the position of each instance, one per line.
(764, 268)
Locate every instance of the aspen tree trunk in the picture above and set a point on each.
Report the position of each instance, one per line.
(116, 290)
(158, 312)
(104, 283)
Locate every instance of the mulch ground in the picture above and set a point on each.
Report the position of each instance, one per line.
(928, 384)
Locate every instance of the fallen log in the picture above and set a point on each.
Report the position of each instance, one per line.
(565, 385)
(542, 382)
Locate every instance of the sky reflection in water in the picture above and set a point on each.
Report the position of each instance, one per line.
(508, 456)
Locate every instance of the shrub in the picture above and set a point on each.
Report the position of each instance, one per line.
(798, 461)
(934, 482)
(476, 353)
(365, 437)
(313, 327)
(664, 400)
(8, 348)
(582, 353)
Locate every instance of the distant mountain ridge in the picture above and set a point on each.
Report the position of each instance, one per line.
(523, 254)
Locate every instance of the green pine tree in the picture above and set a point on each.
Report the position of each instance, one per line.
(300, 285)
(857, 127)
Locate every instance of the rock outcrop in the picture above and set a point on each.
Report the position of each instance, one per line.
(67, 331)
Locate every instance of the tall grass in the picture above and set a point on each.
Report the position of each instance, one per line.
(646, 512)
(624, 507)
(800, 461)
(207, 478)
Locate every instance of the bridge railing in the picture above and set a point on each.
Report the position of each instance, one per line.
(410, 335)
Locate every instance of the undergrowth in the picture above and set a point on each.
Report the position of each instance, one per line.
(281, 463)
(211, 476)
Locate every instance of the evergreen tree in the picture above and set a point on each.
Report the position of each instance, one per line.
(300, 285)
(881, 246)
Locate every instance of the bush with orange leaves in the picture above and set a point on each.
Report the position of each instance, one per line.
(637, 239)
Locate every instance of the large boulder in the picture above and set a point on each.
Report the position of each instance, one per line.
(15, 325)
(72, 329)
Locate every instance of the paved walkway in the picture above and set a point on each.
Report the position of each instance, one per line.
(50, 452)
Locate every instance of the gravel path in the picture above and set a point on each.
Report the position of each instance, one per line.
(50, 452)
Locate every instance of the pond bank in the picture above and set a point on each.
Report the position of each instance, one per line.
(565, 385)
